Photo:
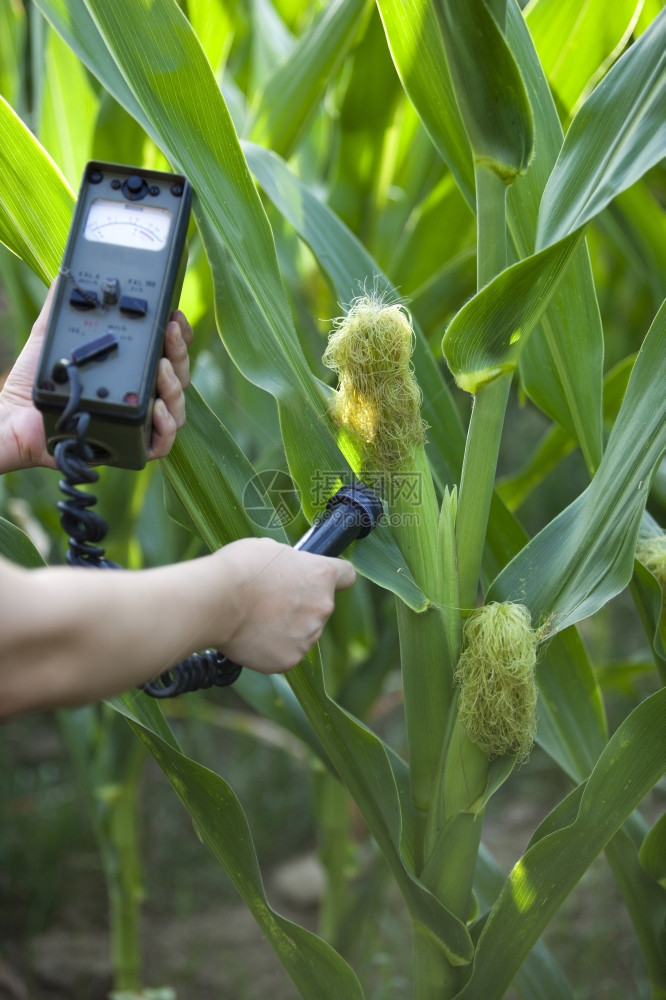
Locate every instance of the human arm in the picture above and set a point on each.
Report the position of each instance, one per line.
(22, 443)
(71, 636)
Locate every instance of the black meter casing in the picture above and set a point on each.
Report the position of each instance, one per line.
(119, 282)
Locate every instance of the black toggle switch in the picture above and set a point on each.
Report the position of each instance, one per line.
(81, 300)
(132, 306)
(94, 350)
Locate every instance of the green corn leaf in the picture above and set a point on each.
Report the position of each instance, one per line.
(146, 712)
(214, 480)
(571, 723)
(485, 339)
(17, 547)
(642, 895)
(270, 696)
(637, 225)
(35, 202)
(214, 26)
(618, 134)
(65, 127)
(649, 599)
(556, 444)
(571, 327)
(416, 45)
(650, 10)
(73, 22)
(648, 596)
(652, 854)
(271, 43)
(585, 556)
(642, 892)
(572, 324)
(575, 43)
(118, 137)
(293, 93)
(489, 87)
(221, 824)
(566, 845)
(12, 39)
(375, 785)
(539, 977)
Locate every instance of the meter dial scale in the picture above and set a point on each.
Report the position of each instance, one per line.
(142, 227)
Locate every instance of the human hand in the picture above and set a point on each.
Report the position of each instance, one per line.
(22, 442)
(282, 598)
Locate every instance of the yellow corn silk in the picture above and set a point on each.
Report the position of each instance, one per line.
(495, 672)
(378, 399)
(651, 552)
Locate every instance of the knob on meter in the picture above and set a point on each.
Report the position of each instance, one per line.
(110, 289)
(119, 282)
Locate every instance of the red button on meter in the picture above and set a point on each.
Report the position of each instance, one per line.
(131, 398)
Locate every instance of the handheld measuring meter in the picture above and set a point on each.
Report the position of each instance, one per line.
(120, 280)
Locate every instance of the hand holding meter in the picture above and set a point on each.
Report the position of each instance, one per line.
(120, 280)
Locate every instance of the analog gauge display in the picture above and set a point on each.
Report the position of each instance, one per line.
(142, 227)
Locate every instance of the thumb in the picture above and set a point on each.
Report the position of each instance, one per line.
(41, 321)
(346, 576)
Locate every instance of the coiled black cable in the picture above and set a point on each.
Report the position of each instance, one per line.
(84, 527)
(201, 670)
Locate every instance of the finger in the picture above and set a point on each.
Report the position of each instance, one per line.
(39, 326)
(164, 431)
(346, 575)
(170, 390)
(175, 349)
(180, 318)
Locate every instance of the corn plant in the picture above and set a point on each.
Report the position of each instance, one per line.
(463, 132)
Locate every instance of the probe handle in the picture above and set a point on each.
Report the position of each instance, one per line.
(351, 513)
